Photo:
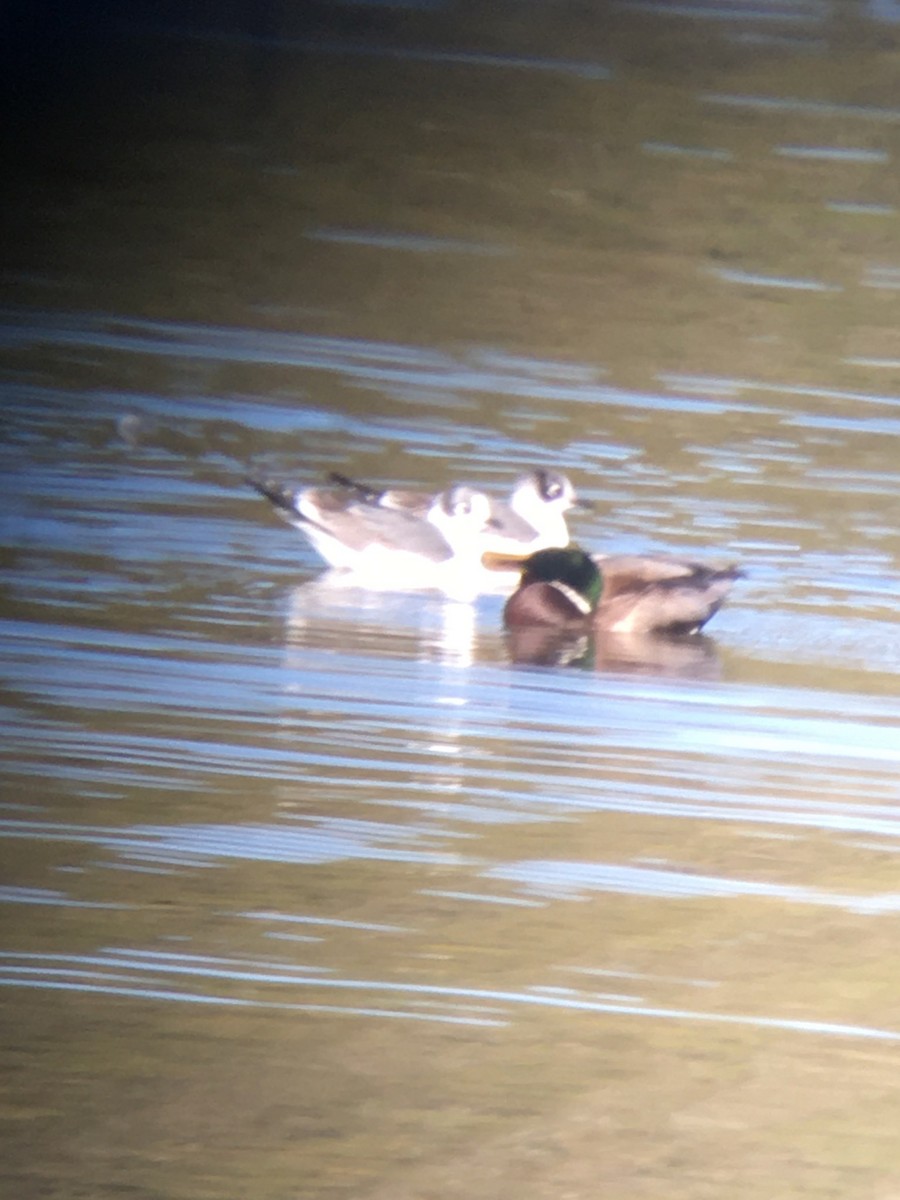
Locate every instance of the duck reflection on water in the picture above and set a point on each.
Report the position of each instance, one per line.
(670, 656)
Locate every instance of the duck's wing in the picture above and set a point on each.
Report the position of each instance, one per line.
(629, 573)
(660, 601)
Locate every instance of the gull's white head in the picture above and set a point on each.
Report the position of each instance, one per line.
(542, 498)
(462, 515)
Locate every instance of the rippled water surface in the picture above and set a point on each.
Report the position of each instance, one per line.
(311, 891)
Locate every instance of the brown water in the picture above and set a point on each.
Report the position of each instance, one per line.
(311, 892)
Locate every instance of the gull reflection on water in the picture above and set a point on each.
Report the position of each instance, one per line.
(394, 672)
(336, 607)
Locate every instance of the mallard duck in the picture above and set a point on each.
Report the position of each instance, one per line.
(567, 589)
(533, 517)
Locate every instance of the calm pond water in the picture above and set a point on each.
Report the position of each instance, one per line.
(313, 892)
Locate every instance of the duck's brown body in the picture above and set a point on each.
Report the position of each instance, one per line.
(617, 593)
(655, 594)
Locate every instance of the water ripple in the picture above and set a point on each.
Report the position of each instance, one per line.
(576, 879)
(811, 108)
(55, 969)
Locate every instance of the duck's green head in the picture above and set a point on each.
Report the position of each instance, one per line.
(566, 565)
